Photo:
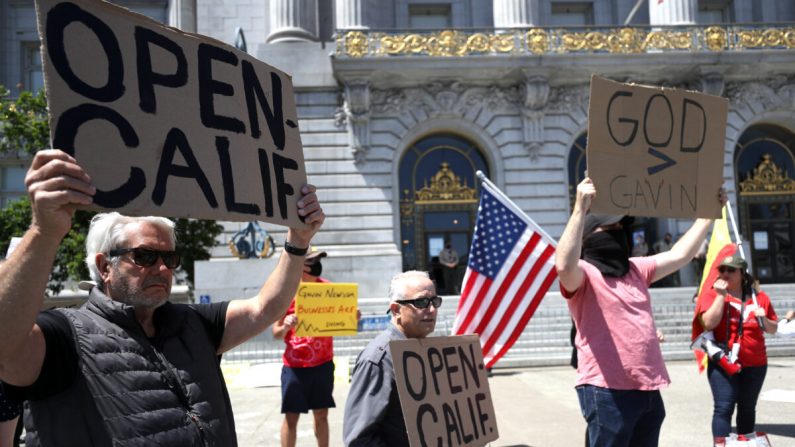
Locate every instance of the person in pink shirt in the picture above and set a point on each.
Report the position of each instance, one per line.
(620, 365)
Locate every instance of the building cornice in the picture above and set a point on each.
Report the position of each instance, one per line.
(578, 40)
(568, 56)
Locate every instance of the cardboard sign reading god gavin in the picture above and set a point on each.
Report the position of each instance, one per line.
(444, 391)
(326, 309)
(166, 122)
(655, 151)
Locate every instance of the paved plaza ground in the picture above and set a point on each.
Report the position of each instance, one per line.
(535, 407)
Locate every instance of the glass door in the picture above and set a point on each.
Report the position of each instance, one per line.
(772, 235)
(443, 228)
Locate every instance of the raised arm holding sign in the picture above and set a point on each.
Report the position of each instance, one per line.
(607, 293)
(127, 328)
(620, 363)
(128, 367)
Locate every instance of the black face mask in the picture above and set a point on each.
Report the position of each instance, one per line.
(608, 251)
(316, 269)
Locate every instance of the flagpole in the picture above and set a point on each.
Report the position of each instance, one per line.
(742, 255)
(734, 228)
(513, 205)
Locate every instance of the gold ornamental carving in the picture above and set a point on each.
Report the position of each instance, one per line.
(586, 41)
(766, 38)
(445, 186)
(715, 38)
(446, 43)
(539, 41)
(767, 178)
(668, 40)
(625, 40)
(355, 43)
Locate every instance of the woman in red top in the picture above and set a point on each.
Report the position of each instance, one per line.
(723, 313)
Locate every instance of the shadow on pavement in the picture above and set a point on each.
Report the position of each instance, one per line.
(787, 430)
(772, 364)
(496, 373)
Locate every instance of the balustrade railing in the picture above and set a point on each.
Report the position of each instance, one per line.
(548, 41)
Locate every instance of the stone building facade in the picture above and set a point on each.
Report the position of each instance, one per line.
(401, 101)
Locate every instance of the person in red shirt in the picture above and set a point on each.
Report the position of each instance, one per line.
(308, 371)
(736, 321)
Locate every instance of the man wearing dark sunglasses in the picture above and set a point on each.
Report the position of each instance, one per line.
(128, 367)
(372, 412)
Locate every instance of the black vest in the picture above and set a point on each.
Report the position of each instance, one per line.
(135, 391)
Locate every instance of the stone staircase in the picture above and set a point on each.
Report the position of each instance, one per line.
(545, 340)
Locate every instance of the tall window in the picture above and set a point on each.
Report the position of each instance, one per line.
(12, 183)
(32, 73)
(571, 13)
(430, 16)
(154, 9)
(715, 11)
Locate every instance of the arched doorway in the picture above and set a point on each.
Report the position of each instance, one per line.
(438, 201)
(765, 170)
(577, 164)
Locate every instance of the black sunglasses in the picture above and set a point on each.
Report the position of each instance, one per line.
(145, 257)
(422, 303)
(727, 269)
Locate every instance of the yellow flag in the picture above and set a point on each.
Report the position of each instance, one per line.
(720, 237)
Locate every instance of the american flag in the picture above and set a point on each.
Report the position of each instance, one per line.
(511, 266)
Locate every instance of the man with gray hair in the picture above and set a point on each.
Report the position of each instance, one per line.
(128, 367)
(373, 416)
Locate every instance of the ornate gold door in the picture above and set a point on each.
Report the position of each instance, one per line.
(765, 164)
(767, 199)
(439, 199)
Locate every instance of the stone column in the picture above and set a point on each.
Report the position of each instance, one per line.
(673, 12)
(348, 14)
(292, 20)
(182, 15)
(516, 13)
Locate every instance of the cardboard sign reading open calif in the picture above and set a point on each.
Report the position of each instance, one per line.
(655, 152)
(444, 391)
(169, 123)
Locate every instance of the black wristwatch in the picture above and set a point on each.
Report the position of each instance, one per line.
(293, 250)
